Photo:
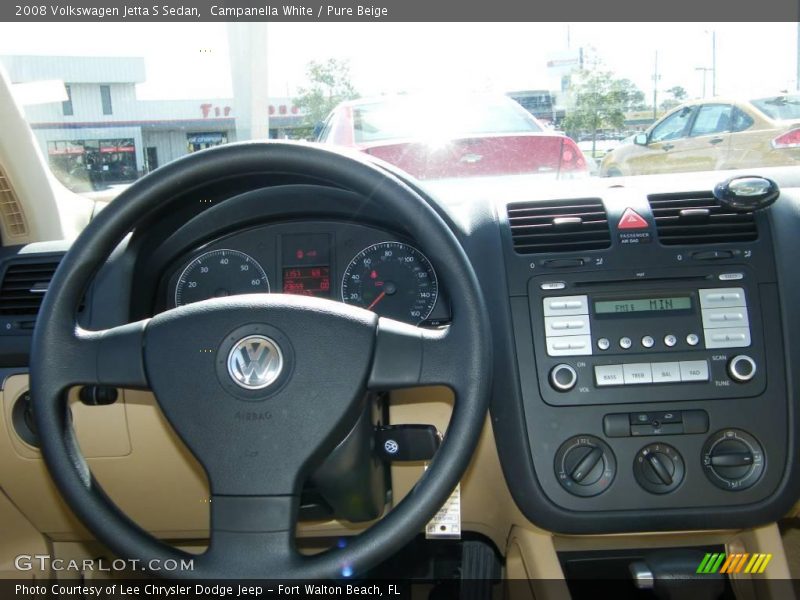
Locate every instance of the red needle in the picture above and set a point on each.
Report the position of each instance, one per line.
(378, 299)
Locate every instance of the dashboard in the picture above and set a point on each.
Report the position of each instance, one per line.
(644, 339)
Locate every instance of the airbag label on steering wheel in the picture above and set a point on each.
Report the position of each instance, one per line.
(446, 524)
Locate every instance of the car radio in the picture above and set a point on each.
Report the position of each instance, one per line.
(674, 334)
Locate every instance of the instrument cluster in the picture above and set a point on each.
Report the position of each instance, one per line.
(354, 264)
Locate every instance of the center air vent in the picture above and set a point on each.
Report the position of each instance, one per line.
(559, 226)
(699, 218)
(23, 287)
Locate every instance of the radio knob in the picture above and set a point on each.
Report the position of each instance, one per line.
(563, 378)
(742, 368)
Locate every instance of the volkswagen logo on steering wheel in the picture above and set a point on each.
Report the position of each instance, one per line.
(255, 362)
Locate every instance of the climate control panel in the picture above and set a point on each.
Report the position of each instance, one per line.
(732, 460)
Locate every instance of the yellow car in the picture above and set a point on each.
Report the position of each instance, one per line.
(713, 134)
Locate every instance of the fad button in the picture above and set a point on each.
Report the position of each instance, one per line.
(632, 220)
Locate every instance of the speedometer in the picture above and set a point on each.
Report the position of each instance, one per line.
(392, 279)
(219, 273)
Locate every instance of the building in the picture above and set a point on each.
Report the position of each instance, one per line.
(540, 103)
(102, 134)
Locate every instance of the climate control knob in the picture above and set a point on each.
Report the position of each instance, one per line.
(742, 368)
(563, 378)
(658, 468)
(733, 459)
(585, 465)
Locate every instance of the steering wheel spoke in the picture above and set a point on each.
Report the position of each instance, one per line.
(409, 356)
(112, 357)
(246, 530)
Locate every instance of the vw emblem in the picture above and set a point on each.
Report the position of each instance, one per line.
(255, 362)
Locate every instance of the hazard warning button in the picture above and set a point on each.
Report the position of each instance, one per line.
(632, 220)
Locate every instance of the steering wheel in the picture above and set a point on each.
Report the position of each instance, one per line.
(302, 364)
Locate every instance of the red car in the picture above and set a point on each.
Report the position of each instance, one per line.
(432, 137)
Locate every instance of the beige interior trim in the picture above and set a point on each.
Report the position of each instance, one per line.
(19, 537)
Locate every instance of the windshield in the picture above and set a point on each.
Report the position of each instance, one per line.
(124, 99)
(780, 107)
(421, 118)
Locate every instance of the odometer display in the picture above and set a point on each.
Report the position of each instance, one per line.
(392, 279)
(220, 273)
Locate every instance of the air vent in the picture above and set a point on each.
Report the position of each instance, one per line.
(559, 226)
(10, 209)
(24, 285)
(699, 218)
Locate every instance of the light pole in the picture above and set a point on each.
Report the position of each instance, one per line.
(714, 63)
(656, 77)
(713, 68)
(704, 70)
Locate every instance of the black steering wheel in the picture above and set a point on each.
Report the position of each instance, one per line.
(303, 363)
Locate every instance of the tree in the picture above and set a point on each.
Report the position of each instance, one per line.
(678, 94)
(600, 101)
(328, 85)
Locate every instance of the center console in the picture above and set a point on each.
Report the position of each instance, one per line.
(649, 344)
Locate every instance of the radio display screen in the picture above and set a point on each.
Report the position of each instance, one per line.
(642, 305)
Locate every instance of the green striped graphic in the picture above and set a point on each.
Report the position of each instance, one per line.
(701, 568)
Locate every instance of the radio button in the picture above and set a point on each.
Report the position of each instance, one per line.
(571, 345)
(648, 341)
(625, 343)
(694, 370)
(556, 285)
(670, 340)
(731, 276)
(565, 305)
(666, 372)
(636, 373)
(722, 297)
(603, 344)
(714, 318)
(560, 326)
(692, 339)
(609, 375)
(731, 337)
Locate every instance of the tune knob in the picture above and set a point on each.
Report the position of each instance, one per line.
(563, 378)
(742, 368)
(733, 459)
(658, 468)
(585, 465)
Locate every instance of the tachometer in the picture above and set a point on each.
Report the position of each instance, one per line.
(393, 279)
(219, 273)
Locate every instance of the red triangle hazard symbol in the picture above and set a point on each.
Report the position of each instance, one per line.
(631, 220)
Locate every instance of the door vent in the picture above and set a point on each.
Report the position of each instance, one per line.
(699, 218)
(23, 287)
(559, 226)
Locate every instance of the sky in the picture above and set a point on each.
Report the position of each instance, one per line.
(190, 60)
